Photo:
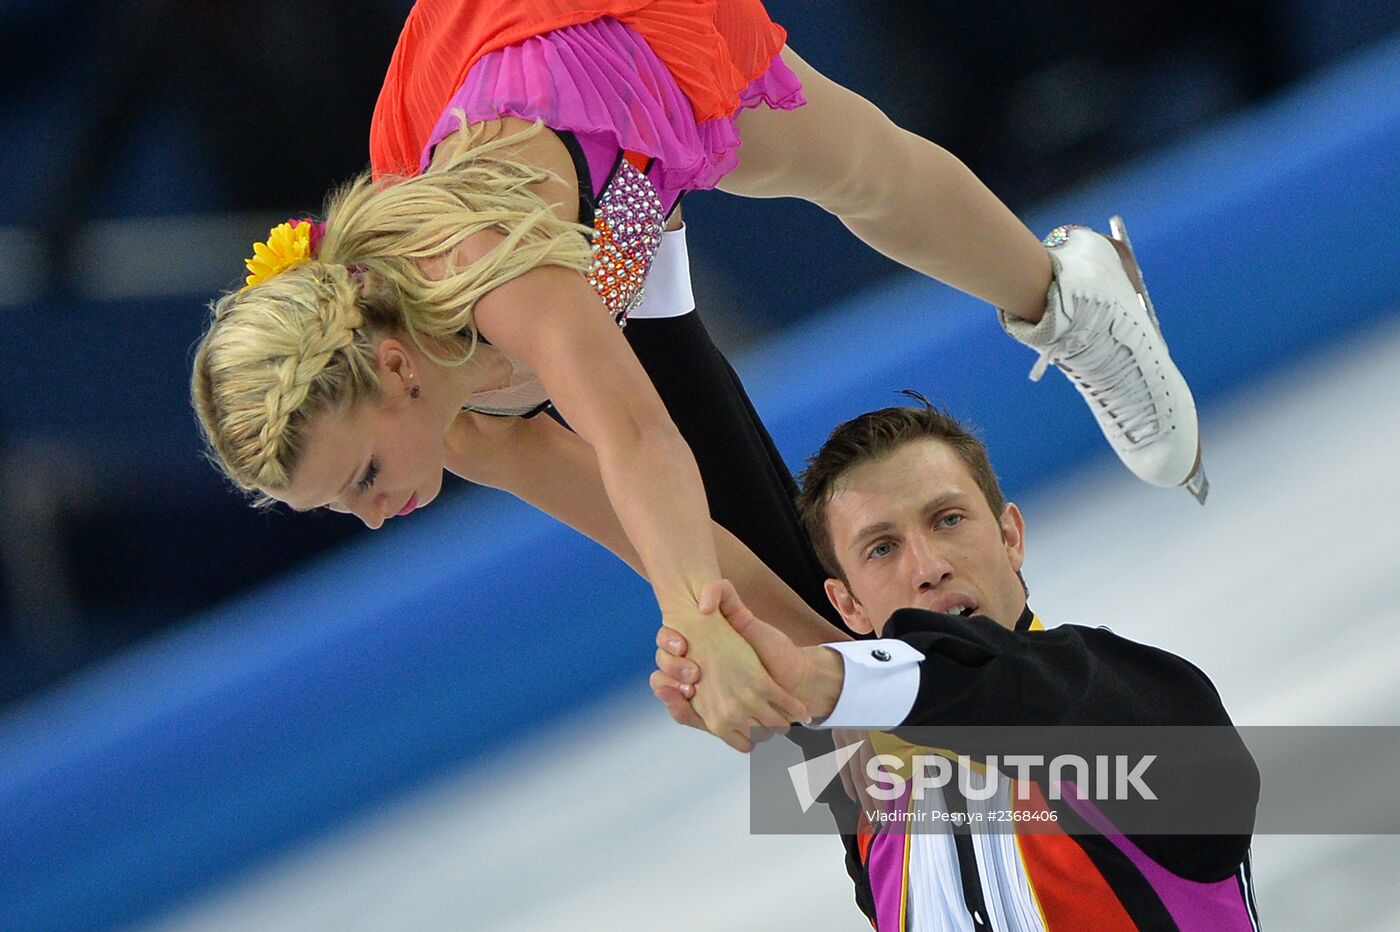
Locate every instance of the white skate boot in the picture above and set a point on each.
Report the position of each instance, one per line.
(1100, 329)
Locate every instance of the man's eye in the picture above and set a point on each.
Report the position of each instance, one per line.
(881, 549)
(369, 478)
(951, 520)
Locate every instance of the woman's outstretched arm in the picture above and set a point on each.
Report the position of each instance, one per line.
(545, 464)
(553, 320)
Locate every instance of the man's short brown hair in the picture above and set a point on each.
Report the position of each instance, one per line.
(871, 436)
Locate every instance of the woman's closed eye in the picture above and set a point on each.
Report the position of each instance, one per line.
(370, 474)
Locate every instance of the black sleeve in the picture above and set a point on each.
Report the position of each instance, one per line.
(976, 672)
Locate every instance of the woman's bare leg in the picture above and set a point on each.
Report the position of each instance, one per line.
(903, 195)
(919, 205)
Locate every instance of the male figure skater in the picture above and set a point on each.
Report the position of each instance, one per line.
(923, 551)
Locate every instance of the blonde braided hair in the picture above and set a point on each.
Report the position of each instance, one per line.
(265, 368)
(281, 352)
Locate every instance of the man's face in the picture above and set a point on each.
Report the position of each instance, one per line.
(913, 530)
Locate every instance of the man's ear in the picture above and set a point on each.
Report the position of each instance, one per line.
(852, 612)
(1013, 536)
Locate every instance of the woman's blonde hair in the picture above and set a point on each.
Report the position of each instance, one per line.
(277, 354)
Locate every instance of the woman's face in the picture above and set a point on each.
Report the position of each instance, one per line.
(377, 460)
(384, 457)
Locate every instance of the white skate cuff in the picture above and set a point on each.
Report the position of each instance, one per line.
(1052, 325)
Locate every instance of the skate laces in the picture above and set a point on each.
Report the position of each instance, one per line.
(1104, 369)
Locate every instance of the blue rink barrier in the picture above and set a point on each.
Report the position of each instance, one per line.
(332, 690)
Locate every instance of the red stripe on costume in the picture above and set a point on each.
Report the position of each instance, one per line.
(865, 834)
(1071, 892)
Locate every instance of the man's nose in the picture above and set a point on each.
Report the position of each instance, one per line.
(928, 564)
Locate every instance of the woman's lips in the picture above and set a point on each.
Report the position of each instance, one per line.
(412, 504)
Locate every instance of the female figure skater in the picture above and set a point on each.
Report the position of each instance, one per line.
(466, 255)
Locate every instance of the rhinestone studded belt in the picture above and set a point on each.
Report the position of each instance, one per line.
(628, 223)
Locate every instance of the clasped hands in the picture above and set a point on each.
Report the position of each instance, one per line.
(753, 685)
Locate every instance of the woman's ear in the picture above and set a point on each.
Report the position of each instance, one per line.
(396, 370)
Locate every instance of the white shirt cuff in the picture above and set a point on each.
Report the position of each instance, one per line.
(881, 684)
(667, 291)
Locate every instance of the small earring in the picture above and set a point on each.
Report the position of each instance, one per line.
(414, 392)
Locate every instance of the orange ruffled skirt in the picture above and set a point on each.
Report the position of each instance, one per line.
(712, 48)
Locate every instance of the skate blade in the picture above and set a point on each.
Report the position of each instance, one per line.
(1197, 483)
(1118, 231)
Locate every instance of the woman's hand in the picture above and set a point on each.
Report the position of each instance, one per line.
(737, 700)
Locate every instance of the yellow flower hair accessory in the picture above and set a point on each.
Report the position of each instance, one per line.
(288, 244)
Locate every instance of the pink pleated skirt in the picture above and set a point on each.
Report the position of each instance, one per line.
(601, 81)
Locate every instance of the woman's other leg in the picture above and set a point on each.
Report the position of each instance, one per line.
(903, 195)
(918, 204)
